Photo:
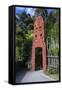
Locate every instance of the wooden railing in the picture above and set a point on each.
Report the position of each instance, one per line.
(53, 61)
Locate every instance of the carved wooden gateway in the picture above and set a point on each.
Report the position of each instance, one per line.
(38, 46)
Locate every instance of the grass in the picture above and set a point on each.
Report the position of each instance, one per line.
(53, 72)
(53, 76)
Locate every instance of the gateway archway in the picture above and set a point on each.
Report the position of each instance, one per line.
(38, 58)
(38, 45)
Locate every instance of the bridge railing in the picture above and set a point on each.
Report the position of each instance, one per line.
(53, 61)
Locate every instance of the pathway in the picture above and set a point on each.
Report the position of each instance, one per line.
(32, 76)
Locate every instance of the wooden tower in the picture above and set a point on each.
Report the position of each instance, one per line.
(39, 41)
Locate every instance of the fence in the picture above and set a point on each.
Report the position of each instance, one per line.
(53, 61)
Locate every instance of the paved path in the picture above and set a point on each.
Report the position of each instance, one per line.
(32, 76)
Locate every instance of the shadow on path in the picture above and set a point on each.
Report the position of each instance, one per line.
(20, 74)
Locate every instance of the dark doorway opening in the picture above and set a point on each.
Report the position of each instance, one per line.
(38, 58)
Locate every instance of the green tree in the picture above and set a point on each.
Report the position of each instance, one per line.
(24, 36)
(24, 21)
(52, 31)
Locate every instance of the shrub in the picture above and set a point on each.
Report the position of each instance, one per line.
(52, 70)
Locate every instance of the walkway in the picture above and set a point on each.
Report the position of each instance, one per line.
(32, 76)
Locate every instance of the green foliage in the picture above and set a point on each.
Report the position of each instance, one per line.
(42, 12)
(18, 54)
(52, 32)
(25, 21)
(55, 51)
(19, 36)
(29, 35)
(53, 70)
(23, 44)
(27, 46)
